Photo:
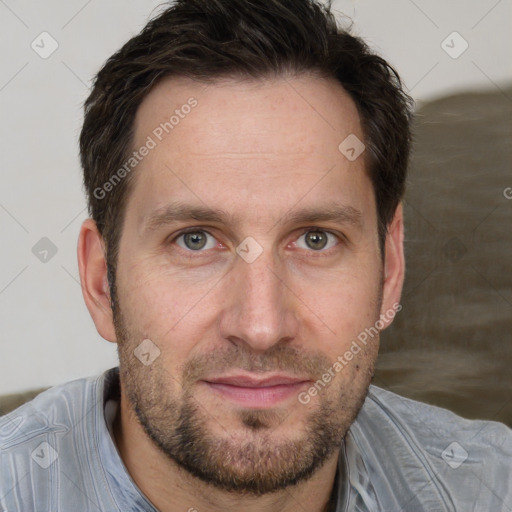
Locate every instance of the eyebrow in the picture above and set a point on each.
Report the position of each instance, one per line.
(177, 211)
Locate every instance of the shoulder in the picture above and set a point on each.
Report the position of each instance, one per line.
(47, 443)
(52, 410)
(442, 458)
(425, 422)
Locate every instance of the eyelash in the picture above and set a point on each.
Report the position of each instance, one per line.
(183, 232)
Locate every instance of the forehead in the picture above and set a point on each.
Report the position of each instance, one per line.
(259, 108)
(251, 145)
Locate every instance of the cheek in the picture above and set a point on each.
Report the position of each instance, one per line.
(157, 297)
(163, 307)
(347, 304)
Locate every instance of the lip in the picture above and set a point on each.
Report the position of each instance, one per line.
(256, 392)
(250, 381)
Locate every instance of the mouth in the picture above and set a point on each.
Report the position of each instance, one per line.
(256, 392)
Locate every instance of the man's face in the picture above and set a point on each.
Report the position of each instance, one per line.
(254, 304)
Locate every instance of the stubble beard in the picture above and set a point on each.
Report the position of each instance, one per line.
(254, 460)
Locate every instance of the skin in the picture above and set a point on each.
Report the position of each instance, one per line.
(258, 150)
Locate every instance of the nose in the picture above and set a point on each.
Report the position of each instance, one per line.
(260, 306)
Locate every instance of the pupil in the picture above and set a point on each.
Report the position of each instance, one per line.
(195, 240)
(316, 240)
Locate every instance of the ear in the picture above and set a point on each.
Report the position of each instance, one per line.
(394, 268)
(93, 277)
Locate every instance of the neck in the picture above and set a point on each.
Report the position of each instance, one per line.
(171, 488)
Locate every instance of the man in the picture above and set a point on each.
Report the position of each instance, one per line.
(244, 163)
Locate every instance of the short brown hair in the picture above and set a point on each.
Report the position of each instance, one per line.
(209, 39)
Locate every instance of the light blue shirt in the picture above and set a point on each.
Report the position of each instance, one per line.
(57, 455)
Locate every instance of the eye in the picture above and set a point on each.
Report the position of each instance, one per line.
(317, 240)
(196, 240)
